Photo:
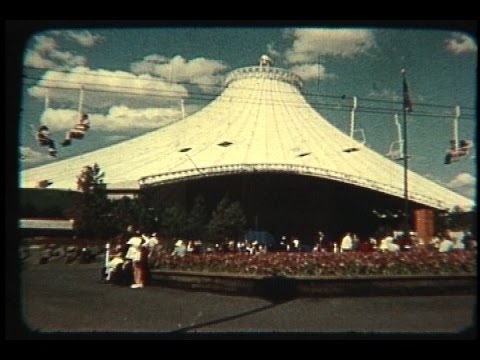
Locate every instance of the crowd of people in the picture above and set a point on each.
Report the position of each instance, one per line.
(128, 261)
(131, 256)
(445, 242)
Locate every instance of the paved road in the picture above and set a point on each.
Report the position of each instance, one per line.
(70, 299)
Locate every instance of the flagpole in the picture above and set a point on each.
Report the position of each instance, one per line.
(406, 106)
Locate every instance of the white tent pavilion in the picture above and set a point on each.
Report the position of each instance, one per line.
(260, 122)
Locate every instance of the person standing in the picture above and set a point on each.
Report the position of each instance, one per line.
(136, 254)
(347, 243)
(319, 246)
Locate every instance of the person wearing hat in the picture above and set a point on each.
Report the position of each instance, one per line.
(136, 255)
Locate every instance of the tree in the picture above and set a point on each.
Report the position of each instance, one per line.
(174, 221)
(124, 214)
(458, 219)
(146, 216)
(228, 220)
(90, 179)
(197, 219)
(92, 212)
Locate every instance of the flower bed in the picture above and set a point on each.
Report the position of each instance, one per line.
(418, 262)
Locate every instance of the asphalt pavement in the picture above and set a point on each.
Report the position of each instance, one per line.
(58, 300)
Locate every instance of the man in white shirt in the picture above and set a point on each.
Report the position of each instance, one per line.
(134, 253)
(347, 243)
(446, 245)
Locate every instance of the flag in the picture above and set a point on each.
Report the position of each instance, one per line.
(407, 102)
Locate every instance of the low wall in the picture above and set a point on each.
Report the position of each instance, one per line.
(279, 287)
(225, 283)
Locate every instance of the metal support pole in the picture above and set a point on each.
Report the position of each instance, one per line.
(405, 164)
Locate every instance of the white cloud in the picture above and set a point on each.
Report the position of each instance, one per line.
(67, 59)
(199, 71)
(156, 59)
(118, 119)
(386, 94)
(84, 38)
(104, 88)
(45, 44)
(463, 184)
(208, 83)
(123, 118)
(46, 55)
(460, 43)
(461, 180)
(310, 44)
(36, 60)
(272, 52)
(311, 71)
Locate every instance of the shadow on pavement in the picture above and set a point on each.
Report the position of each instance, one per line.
(225, 319)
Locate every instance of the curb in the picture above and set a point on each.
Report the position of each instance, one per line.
(282, 288)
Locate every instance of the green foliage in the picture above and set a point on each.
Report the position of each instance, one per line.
(92, 211)
(92, 216)
(228, 220)
(44, 203)
(174, 222)
(197, 219)
(124, 214)
(456, 220)
(460, 220)
(90, 179)
(146, 217)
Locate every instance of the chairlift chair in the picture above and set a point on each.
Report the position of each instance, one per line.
(82, 123)
(396, 150)
(358, 135)
(458, 149)
(396, 147)
(42, 135)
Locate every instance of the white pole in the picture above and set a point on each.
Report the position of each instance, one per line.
(399, 134)
(45, 110)
(107, 259)
(352, 116)
(455, 125)
(182, 105)
(47, 101)
(80, 101)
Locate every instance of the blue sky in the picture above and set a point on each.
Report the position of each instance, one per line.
(134, 80)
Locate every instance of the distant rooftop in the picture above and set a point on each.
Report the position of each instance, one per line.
(47, 224)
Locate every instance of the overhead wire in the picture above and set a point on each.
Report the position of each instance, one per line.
(219, 88)
(196, 96)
